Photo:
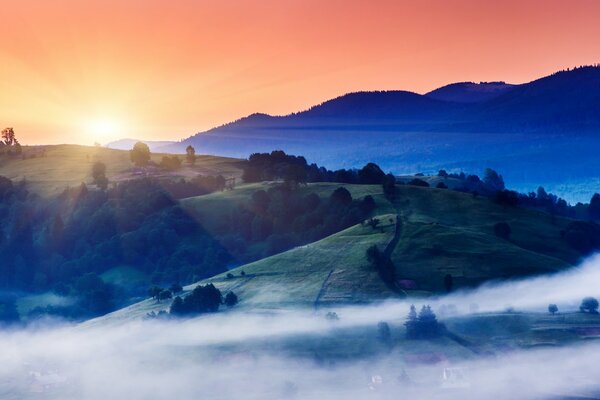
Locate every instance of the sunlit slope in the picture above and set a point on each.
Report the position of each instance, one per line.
(331, 271)
(48, 170)
(446, 232)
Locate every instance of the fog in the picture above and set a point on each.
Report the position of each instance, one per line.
(250, 355)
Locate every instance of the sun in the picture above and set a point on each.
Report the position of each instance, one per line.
(102, 129)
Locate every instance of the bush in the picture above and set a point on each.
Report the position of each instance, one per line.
(418, 182)
(589, 305)
(231, 299)
(441, 185)
(203, 299)
(140, 154)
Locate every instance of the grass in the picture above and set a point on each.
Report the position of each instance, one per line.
(212, 209)
(48, 170)
(447, 232)
(328, 272)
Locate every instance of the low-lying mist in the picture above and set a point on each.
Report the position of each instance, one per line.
(233, 355)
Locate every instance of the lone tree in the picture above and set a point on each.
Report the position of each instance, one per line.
(230, 300)
(589, 305)
(382, 264)
(8, 137)
(190, 154)
(552, 309)
(140, 154)
(99, 175)
(594, 208)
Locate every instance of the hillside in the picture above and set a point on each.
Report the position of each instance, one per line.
(441, 232)
(537, 133)
(48, 170)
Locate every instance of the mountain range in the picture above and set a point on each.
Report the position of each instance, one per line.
(544, 132)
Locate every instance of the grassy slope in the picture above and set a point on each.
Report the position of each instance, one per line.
(329, 271)
(55, 167)
(446, 232)
(442, 232)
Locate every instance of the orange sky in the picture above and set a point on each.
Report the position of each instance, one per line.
(82, 71)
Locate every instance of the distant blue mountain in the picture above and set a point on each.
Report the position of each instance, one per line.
(553, 120)
(127, 144)
(470, 92)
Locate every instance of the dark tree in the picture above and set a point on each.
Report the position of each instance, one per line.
(99, 175)
(389, 186)
(153, 292)
(341, 196)
(507, 197)
(203, 299)
(295, 175)
(589, 305)
(448, 282)
(411, 323)
(140, 154)
(367, 205)
(423, 326)
(493, 180)
(165, 295)
(502, 230)
(552, 309)
(231, 299)
(594, 207)
(442, 173)
(371, 174)
(190, 155)
(418, 182)
(176, 288)
(383, 265)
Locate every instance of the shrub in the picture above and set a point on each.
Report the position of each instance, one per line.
(140, 154)
(203, 299)
(418, 182)
(589, 305)
(231, 299)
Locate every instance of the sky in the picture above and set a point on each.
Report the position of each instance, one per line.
(97, 70)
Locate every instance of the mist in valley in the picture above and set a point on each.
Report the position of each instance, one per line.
(236, 354)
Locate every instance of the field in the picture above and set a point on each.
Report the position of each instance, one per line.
(447, 232)
(48, 170)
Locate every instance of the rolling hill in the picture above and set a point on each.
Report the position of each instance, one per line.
(48, 170)
(548, 127)
(441, 232)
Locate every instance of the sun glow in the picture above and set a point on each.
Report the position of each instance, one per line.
(102, 129)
